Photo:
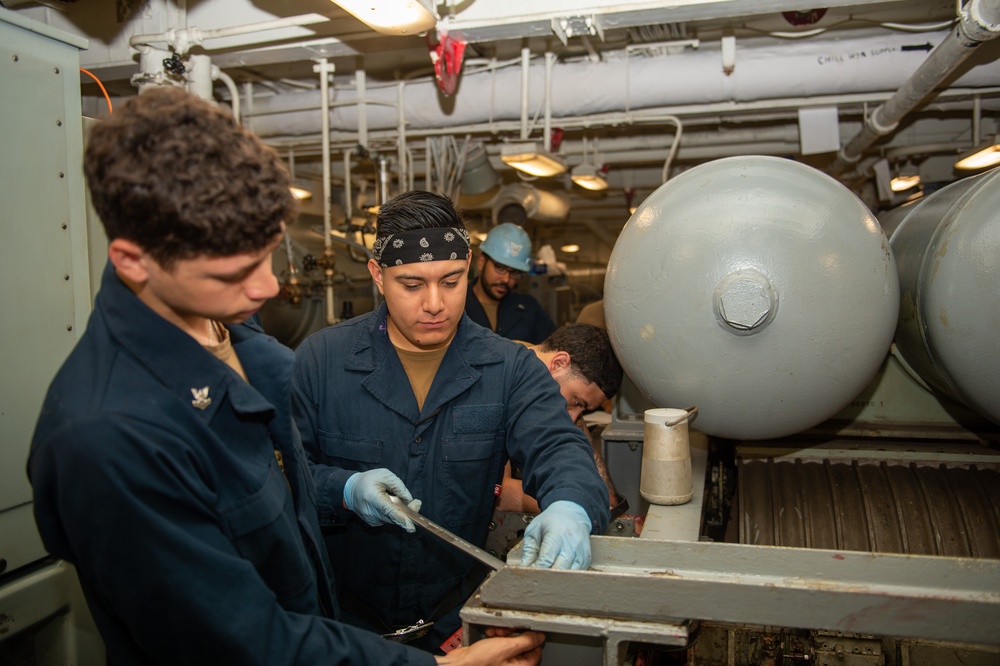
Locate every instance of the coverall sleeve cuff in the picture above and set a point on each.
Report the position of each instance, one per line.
(330, 482)
(599, 515)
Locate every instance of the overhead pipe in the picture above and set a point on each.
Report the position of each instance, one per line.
(582, 90)
(979, 23)
(182, 39)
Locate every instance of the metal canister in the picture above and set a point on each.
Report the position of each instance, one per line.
(666, 457)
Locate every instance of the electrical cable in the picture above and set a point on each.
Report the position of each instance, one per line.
(101, 86)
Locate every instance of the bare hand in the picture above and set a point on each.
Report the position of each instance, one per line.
(524, 649)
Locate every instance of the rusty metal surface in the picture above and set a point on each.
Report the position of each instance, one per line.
(878, 506)
(938, 598)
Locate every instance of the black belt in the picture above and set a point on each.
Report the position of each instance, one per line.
(353, 604)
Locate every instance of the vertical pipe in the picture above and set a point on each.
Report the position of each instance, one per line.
(550, 60)
(150, 67)
(975, 121)
(429, 171)
(248, 107)
(325, 70)
(383, 179)
(360, 86)
(525, 80)
(409, 164)
(234, 92)
(200, 76)
(348, 202)
(401, 138)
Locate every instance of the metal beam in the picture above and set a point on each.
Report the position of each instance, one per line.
(915, 596)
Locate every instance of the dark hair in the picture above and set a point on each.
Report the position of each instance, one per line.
(416, 209)
(179, 177)
(590, 352)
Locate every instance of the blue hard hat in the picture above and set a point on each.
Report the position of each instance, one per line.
(508, 244)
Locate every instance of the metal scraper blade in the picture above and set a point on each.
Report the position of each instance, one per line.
(494, 563)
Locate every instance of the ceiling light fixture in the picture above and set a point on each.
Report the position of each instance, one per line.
(571, 248)
(588, 176)
(531, 159)
(300, 193)
(393, 17)
(981, 157)
(907, 178)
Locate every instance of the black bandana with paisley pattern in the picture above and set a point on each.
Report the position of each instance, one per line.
(417, 245)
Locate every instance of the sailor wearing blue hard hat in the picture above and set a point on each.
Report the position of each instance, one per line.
(492, 302)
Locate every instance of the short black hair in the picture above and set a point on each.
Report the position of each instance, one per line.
(416, 209)
(181, 178)
(591, 354)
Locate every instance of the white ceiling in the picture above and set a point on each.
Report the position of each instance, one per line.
(619, 74)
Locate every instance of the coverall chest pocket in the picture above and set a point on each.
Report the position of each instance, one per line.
(350, 452)
(264, 530)
(469, 478)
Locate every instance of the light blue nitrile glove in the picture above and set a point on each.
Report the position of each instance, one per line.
(367, 495)
(558, 537)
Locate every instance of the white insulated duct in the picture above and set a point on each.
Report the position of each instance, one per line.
(540, 205)
(772, 71)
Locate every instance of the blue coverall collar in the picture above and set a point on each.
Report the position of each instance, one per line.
(387, 381)
(167, 352)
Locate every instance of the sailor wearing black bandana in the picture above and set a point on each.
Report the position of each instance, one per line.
(418, 245)
(415, 391)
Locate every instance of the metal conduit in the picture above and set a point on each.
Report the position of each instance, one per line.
(980, 22)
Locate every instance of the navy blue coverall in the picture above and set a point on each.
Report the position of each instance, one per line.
(491, 399)
(191, 545)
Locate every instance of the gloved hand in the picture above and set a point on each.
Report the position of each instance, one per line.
(367, 495)
(558, 537)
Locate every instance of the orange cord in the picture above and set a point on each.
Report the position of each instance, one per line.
(101, 86)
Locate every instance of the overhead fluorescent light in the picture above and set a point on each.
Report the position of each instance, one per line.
(981, 157)
(587, 176)
(300, 194)
(531, 159)
(571, 248)
(393, 17)
(907, 178)
(902, 183)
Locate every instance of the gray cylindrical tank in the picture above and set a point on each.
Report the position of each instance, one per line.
(948, 256)
(757, 288)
